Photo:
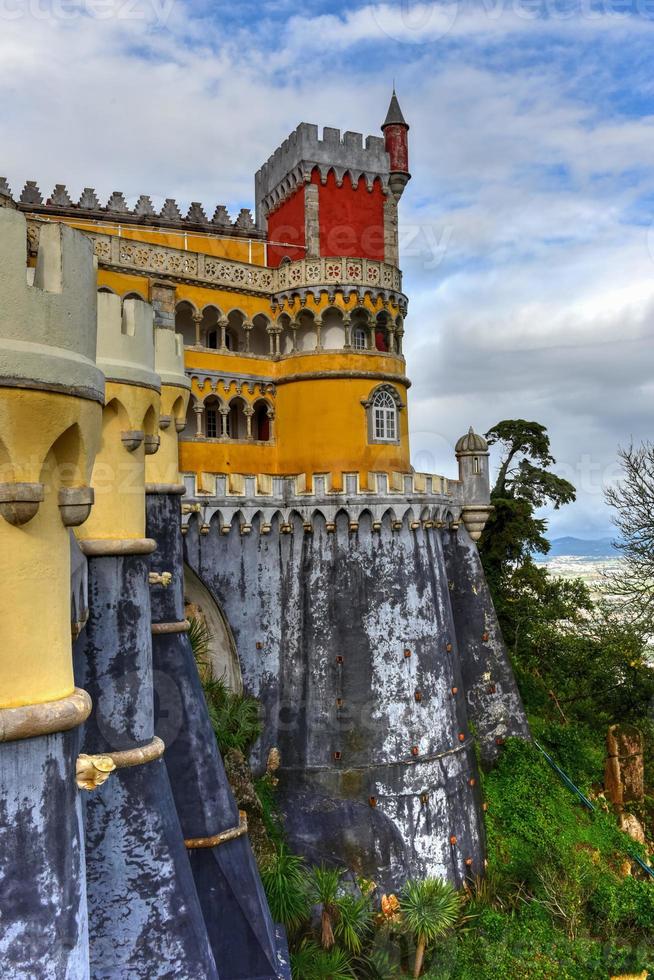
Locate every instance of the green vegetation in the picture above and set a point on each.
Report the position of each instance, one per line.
(235, 718)
(561, 899)
(430, 909)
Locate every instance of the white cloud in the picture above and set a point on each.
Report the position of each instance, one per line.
(542, 304)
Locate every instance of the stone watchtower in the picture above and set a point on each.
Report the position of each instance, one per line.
(335, 196)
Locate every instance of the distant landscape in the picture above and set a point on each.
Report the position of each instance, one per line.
(580, 548)
(589, 560)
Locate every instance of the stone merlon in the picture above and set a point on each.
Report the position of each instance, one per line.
(303, 150)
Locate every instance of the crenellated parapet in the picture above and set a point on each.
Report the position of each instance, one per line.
(293, 504)
(292, 164)
(142, 211)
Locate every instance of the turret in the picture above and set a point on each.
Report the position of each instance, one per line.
(396, 141)
(473, 458)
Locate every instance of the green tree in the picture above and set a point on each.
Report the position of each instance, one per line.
(632, 501)
(524, 483)
(430, 908)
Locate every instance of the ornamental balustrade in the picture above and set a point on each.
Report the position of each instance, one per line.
(351, 274)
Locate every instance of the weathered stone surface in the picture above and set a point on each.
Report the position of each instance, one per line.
(631, 825)
(322, 623)
(145, 918)
(241, 781)
(235, 910)
(43, 921)
(494, 704)
(624, 774)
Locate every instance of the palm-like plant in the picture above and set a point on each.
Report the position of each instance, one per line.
(353, 922)
(429, 908)
(311, 962)
(285, 883)
(324, 891)
(200, 637)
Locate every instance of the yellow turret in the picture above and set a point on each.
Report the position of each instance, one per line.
(162, 469)
(130, 423)
(48, 442)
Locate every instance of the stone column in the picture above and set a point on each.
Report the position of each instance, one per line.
(249, 413)
(294, 328)
(199, 414)
(247, 327)
(318, 323)
(311, 221)
(50, 419)
(223, 323)
(390, 327)
(241, 933)
(271, 337)
(224, 415)
(144, 914)
(347, 327)
(197, 320)
(277, 332)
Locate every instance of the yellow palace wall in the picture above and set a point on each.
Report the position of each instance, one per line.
(320, 423)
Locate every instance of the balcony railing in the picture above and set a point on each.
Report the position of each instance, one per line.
(306, 274)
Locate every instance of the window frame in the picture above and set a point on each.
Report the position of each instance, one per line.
(383, 415)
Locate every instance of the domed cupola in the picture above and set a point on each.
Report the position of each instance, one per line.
(471, 443)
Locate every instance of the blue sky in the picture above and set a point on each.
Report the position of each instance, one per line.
(527, 242)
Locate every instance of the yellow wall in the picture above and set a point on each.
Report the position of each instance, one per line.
(163, 466)
(238, 250)
(51, 439)
(320, 424)
(119, 475)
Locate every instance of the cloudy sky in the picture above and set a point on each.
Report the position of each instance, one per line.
(528, 246)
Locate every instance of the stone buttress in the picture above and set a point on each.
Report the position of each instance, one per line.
(342, 611)
(236, 914)
(50, 417)
(144, 913)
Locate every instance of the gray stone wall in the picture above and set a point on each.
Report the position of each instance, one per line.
(350, 640)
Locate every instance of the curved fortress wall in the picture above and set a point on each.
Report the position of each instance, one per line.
(346, 631)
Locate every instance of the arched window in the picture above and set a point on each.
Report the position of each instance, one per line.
(261, 427)
(381, 338)
(359, 339)
(212, 418)
(384, 417)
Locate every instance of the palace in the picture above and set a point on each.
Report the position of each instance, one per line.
(292, 325)
(214, 412)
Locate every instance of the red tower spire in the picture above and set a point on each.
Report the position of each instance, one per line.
(396, 138)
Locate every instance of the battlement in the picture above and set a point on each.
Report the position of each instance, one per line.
(398, 499)
(143, 211)
(47, 329)
(169, 358)
(126, 341)
(294, 161)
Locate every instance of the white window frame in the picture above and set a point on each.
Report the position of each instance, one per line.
(384, 417)
(359, 333)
